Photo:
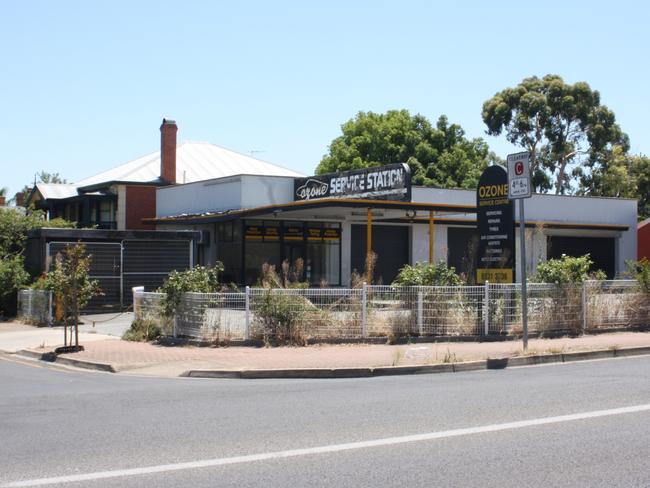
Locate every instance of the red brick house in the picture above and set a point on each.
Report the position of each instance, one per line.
(121, 197)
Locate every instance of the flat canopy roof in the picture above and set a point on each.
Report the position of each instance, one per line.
(330, 203)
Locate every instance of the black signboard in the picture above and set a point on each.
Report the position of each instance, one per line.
(390, 182)
(494, 215)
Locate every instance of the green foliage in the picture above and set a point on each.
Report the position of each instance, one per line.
(14, 227)
(428, 274)
(279, 313)
(12, 278)
(563, 126)
(200, 279)
(438, 156)
(566, 270)
(70, 280)
(142, 330)
(620, 175)
(640, 270)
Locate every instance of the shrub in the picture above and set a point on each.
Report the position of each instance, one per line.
(200, 279)
(428, 274)
(12, 277)
(640, 270)
(279, 311)
(280, 314)
(142, 330)
(567, 270)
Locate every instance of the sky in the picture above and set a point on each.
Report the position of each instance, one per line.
(85, 85)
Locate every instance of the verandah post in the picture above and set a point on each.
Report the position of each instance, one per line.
(364, 301)
(486, 307)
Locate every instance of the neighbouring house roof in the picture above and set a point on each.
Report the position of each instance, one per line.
(195, 161)
(56, 191)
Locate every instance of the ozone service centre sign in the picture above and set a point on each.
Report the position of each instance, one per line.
(495, 221)
(390, 182)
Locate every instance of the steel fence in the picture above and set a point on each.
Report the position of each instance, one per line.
(35, 306)
(382, 311)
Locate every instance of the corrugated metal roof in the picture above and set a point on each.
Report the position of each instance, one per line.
(56, 191)
(195, 161)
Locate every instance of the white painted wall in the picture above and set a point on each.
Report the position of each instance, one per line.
(258, 191)
(219, 195)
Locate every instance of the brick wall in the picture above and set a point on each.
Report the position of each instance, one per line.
(140, 204)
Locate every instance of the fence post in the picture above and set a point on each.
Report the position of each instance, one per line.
(486, 307)
(364, 318)
(135, 290)
(247, 332)
(420, 321)
(49, 309)
(584, 306)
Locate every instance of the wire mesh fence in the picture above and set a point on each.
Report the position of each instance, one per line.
(382, 311)
(35, 306)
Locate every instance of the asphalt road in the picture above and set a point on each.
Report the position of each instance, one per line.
(68, 426)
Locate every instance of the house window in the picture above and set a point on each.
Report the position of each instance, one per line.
(106, 211)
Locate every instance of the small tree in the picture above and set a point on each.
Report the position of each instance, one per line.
(71, 285)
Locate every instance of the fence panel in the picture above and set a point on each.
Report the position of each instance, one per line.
(551, 308)
(335, 313)
(616, 304)
(35, 306)
(321, 313)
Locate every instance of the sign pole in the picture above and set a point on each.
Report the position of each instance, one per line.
(524, 291)
(520, 187)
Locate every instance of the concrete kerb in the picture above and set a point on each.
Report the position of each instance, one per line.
(323, 373)
(52, 357)
(492, 363)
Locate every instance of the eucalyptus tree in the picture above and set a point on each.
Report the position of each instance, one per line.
(564, 127)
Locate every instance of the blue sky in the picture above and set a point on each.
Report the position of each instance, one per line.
(85, 85)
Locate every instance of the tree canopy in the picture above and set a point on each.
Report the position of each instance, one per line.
(438, 155)
(620, 175)
(564, 127)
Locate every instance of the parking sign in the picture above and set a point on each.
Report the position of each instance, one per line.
(519, 185)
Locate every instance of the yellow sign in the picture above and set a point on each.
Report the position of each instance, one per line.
(494, 275)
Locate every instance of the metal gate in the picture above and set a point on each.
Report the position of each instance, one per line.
(119, 266)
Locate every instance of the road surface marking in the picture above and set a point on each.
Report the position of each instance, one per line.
(332, 448)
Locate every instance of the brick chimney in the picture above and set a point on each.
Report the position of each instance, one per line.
(20, 198)
(168, 131)
(2, 200)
